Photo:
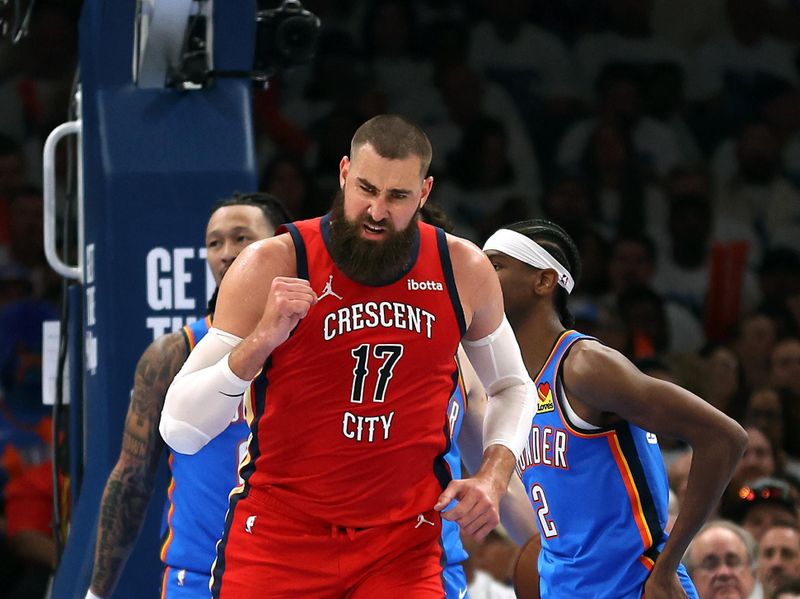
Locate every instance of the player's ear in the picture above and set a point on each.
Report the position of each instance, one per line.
(427, 185)
(344, 169)
(546, 281)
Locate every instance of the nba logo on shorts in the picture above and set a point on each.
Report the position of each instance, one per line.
(248, 525)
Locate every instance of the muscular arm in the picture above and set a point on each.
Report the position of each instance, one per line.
(130, 483)
(600, 381)
(516, 512)
(259, 304)
(246, 304)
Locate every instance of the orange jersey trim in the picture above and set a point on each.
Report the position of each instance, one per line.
(647, 562)
(170, 512)
(552, 353)
(164, 582)
(190, 338)
(633, 491)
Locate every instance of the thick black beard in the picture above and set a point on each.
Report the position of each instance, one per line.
(365, 261)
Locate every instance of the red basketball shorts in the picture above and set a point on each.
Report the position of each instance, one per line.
(270, 551)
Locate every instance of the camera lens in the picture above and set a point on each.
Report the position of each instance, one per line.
(295, 37)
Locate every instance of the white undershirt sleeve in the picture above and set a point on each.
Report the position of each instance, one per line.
(204, 396)
(498, 362)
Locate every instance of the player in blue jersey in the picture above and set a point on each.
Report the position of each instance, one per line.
(592, 467)
(198, 493)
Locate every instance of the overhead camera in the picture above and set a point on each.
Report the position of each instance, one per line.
(286, 36)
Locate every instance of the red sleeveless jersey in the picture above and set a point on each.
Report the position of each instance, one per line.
(350, 414)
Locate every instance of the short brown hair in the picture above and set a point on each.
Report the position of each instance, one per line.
(394, 137)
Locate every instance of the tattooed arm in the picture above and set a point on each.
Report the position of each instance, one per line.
(131, 482)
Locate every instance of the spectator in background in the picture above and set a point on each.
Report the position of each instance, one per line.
(630, 39)
(594, 251)
(29, 511)
(25, 441)
(779, 284)
(633, 264)
(756, 202)
(620, 103)
(778, 558)
(784, 365)
(682, 273)
(532, 65)
(765, 411)
(20, 366)
(482, 190)
(391, 44)
(691, 183)
(722, 376)
(287, 177)
(642, 310)
(603, 323)
(466, 96)
(784, 375)
(764, 503)
(759, 459)
(568, 203)
(332, 84)
(782, 113)
(788, 590)
(446, 46)
(685, 259)
(753, 340)
(616, 180)
(733, 74)
(26, 242)
(721, 561)
(664, 92)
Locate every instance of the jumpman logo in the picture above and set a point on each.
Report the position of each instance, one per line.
(328, 290)
(181, 577)
(422, 520)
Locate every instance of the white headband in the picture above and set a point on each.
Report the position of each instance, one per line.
(526, 250)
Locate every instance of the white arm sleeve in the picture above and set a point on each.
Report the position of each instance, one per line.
(498, 362)
(204, 397)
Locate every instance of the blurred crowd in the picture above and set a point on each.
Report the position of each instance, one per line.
(663, 135)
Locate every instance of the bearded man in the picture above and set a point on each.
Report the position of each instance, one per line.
(345, 328)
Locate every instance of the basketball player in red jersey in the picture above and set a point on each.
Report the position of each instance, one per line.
(347, 328)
